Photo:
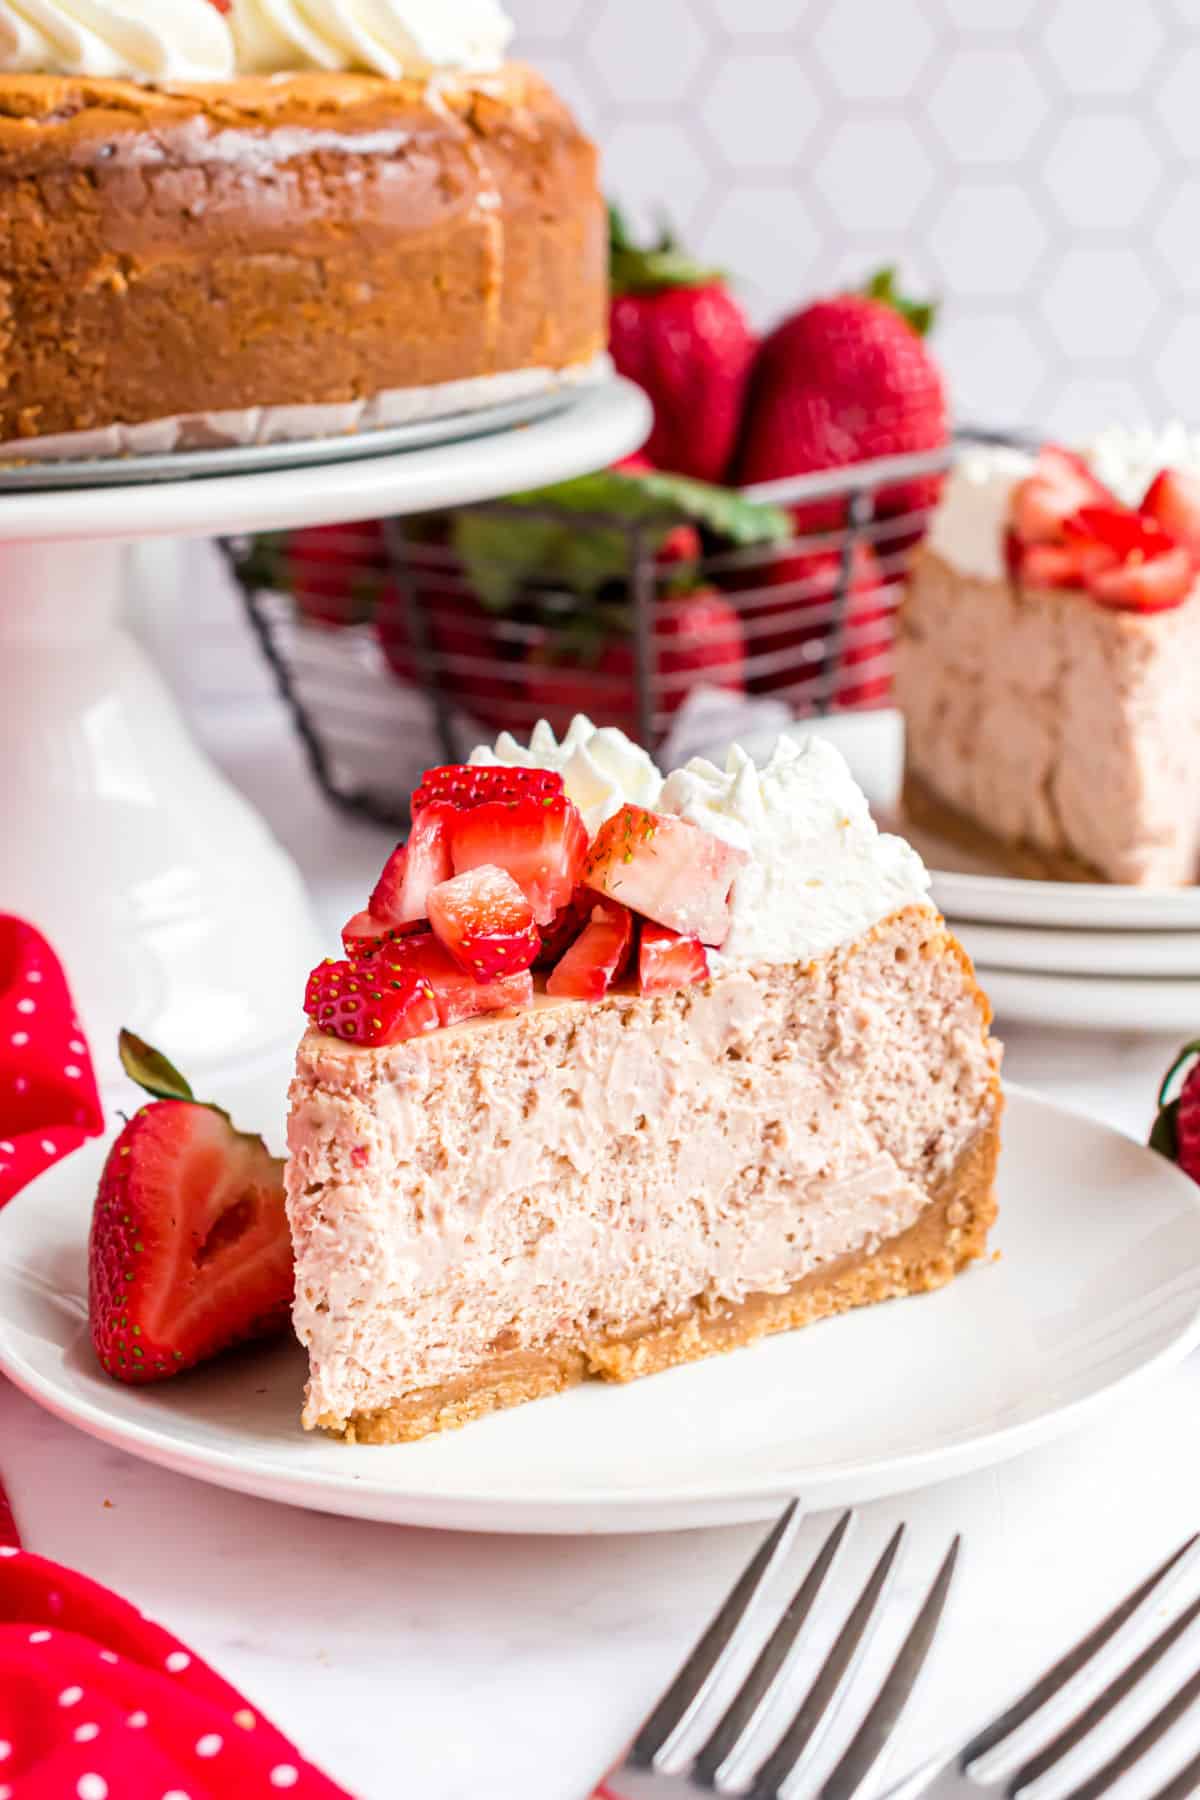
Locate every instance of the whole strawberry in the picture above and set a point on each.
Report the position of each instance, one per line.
(843, 381)
(1176, 1131)
(677, 331)
(189, 1250)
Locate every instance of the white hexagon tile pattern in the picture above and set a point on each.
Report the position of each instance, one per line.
(1035, 162)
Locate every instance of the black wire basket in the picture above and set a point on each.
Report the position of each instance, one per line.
(387, 659)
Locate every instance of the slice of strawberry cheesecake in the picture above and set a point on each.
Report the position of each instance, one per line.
(1046, 664)
(617, 1073)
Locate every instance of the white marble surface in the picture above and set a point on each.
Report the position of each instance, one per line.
(446, 1667)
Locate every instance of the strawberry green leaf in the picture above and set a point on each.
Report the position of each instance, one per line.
(151, 1070)
(921, 314)
(651, 268)
(503, 553)
(1164, 1135)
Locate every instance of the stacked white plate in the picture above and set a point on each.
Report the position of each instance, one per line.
(1050, 952)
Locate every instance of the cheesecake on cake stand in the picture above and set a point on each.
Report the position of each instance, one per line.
(224, 228)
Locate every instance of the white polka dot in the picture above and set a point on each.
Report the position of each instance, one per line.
(20, 1082)
(78, 1046)
(211, 1744)
(72, 1072)
(176, 1794)
(49, 1146)
(137, 1720)
(26, 1006)
(19, 1041)
(177, 1661)
(5, 1749)
(5, 1791)
(9, 1550)
(7, 1147)
(109, 1656)
(92, 1787)
(39, 1637)
(70, 1696)
(83, 1734)
(283, 1775)
(33, 977)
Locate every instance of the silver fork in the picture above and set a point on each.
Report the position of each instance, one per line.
(960, 1776)
(640, 1775)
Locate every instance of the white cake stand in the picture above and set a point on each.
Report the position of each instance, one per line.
(173, 907)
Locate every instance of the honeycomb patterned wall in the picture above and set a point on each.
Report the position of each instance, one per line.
(1036, 162)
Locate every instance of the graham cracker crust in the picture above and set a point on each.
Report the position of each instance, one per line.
(929, 812)
(950, 1234)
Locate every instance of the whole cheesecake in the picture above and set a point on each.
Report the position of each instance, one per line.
(344, 228)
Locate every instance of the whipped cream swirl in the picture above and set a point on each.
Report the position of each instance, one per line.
(601, 768)
(190, 40)
(141, 40)
(820, 871)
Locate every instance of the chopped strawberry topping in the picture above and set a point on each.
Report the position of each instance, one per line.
(1060, 484)
(598, 956)
(372, 1003)
(667, 961)
(667, 870)
(1118, 530)
(364, 936)
(1151, 586)
(1173, 501)
(1051, 566)
(485, 922)
(414, 868)
(565, 927)
(540, 841)
(464, 785)
(457, 994)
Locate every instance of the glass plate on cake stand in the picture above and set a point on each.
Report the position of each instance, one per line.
(171, 904)
(1095, 1293)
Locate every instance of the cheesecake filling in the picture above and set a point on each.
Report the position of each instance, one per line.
(583, 1169)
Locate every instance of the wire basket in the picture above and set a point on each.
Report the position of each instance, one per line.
(386, 657)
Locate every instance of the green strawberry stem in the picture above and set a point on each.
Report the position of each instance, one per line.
(921, 314)
(1164, 1135)
(651, 268)
(151, 1070)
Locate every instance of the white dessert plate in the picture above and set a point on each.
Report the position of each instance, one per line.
(965, 886)
(1034, 949)
(1097, 1290)
(1093, 1003)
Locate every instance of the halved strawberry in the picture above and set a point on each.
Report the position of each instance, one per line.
(667, 961)
(666, 870)
(1173, 501)
(540, 841)
(485, 922)
(464, 785)
(376, 1002)
(189, 1249)
(1061, 483)
(457, 994)
(598, 956)
(364, 936)
(414, 868)
(1117, 529)
(1152, 586)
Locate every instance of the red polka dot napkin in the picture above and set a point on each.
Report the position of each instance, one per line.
(48, 1098)
(97, 1703)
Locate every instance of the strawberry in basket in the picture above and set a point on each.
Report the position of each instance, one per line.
(842, 381)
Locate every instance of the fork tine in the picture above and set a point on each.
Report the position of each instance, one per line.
(1111, 1696)
(818, 1706)
(694, 1679)
(1144, 1740)
(871, 1739)
(758, 1683)
(1070, 1665)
